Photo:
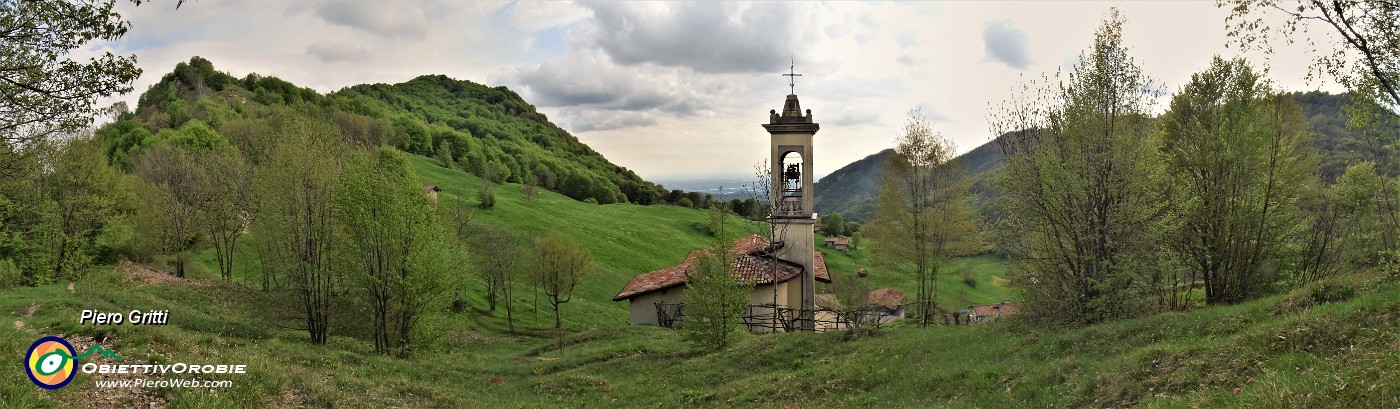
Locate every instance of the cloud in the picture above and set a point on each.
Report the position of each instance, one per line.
(591, 79)
(851, 116)
(335, 51)
(585, 120)
(531, 16)
(705, 37)
(389, 19)
(1006, 44)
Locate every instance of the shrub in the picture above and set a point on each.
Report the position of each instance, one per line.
(1332, 292)
(486, 199)
(9, 274)
(968, 279)
(591, 201)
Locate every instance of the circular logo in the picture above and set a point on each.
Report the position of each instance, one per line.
(50, 362)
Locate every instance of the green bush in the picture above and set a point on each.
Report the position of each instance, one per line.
(9, 274)
(1332, 292)
(486, 199)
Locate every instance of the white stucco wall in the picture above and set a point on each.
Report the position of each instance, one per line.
(643, 309)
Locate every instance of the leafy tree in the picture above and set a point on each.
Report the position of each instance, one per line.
(1083, 192)
(834, 225)
(559, 265)
(296, 214)
(499, 257)
(391, 236)
(922, 216)
(1324, 229)
(228, 203)
(1234, 150)
(42, 90)
(444, 154)
(177, 191)
(198, 137)
(85, 192)
(714, 299)
(1360, 50)
(1357, 200)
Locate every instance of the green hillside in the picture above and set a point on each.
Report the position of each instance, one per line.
(851, 190)
(490, 131)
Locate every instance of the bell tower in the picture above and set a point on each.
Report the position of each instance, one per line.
(790, 134)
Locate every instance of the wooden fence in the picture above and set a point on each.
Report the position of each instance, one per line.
(771, 318)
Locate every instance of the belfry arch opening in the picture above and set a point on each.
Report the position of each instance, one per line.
(789, 186)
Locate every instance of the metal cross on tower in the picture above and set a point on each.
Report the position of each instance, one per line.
(792, 77)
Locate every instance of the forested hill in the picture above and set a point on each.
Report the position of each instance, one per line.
(851, 190)
(1337, 146)
(489, 131)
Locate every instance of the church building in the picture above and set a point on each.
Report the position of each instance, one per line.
(791, 264)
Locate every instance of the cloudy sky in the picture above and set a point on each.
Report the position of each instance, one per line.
(678, 90)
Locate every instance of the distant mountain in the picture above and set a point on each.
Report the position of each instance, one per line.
(851, 190)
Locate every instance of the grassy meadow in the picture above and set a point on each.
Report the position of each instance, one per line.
(1327, 345)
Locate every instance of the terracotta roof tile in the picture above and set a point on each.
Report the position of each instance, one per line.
(751, 264)
(992, 310)
(885, 297)
(819, 267)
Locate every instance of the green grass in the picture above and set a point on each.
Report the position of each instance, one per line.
(1287, 350)
(988, 271)
(1281, 354)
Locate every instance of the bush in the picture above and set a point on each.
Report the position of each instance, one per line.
(968, 279)
(9, 274)
(591, 201)
(1332, 292)
(486, 199)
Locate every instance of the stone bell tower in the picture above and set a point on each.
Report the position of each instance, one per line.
(791, 140)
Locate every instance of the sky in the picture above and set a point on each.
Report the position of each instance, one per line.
(678, 91)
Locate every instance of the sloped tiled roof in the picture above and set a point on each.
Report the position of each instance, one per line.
(885, 297)
(990, 310)
(751, 265)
